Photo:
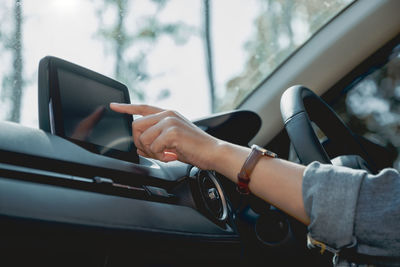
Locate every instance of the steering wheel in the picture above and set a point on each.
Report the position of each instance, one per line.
(300, 106)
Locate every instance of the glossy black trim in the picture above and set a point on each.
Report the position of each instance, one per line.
(238, 126)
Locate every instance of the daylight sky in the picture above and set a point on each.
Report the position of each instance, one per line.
(67, 29)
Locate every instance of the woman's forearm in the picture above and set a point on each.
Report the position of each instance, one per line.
(277, 181)
(167, 136)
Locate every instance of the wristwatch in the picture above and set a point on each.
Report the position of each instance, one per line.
(244, 175)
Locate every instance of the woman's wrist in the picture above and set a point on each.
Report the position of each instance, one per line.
(277, 181)
(228, 159)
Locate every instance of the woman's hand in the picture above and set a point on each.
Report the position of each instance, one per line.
(167, 136)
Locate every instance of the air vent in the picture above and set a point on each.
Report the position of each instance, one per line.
(212, 195)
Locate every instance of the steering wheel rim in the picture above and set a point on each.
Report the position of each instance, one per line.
(300, 106)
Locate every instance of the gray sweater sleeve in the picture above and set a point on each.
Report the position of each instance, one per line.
(347, 206)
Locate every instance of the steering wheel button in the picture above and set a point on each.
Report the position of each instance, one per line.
(213, 194)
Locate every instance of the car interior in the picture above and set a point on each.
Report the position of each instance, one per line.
(62, 204)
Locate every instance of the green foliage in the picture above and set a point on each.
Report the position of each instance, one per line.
(153, 29)
(131, 68)
(160, 3)
(275, 39)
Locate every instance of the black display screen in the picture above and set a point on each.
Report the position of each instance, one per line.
(74, 103)
(86, 113)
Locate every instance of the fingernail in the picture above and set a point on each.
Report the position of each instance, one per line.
(170, 156)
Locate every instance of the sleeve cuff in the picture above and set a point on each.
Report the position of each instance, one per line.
(330, 195)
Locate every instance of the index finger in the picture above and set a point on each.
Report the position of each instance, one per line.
(143, 110)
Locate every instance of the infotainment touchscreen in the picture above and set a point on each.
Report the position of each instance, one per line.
(77, 101)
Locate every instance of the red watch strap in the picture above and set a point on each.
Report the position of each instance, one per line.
(249, 165)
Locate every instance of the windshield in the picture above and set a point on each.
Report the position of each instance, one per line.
(197, 56)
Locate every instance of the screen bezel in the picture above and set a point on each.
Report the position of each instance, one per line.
(55, 106)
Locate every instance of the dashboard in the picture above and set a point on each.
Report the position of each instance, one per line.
(82, 207)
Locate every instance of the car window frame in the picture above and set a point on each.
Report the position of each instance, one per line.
(281, 142)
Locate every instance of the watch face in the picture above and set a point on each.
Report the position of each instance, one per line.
(264, 151)
(257, 147)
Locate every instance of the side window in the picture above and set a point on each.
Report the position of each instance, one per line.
(371, 104)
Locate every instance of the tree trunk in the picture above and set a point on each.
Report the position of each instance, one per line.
(119, 39)
(209, 56)
(16, 77)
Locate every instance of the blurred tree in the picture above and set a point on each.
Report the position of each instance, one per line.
(120, 40)
(130, 68)
(12, 84)
(277, 35)
(3, 52)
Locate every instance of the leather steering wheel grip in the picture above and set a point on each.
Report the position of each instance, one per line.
(300, 106)
(298, 125)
